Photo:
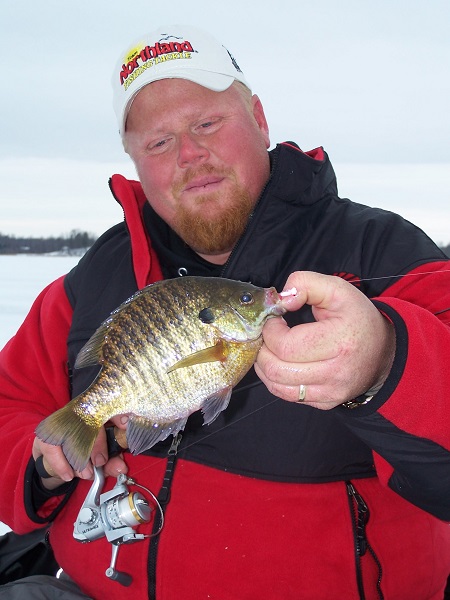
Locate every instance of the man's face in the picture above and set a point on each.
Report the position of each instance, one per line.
(202, 159)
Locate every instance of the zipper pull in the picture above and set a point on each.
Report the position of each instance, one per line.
(362, 515)
(164, 493)
(173, 450)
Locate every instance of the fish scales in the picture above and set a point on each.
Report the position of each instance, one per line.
(175, 347)
(169, 350)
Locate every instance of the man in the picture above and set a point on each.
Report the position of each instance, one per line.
(329, 481)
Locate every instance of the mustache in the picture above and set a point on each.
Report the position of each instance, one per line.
(194, 172)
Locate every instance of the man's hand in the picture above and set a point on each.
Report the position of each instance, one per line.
(55, 463)
(347, 350)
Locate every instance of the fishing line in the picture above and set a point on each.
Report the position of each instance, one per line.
(440, 312)
(208, 435)
(162, 459)
(399, 276)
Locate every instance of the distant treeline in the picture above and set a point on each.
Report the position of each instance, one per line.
(73, 242)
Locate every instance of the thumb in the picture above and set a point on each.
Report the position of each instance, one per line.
(323, 292)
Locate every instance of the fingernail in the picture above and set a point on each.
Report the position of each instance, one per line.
(87, 473)
(124, 420)
(99, 460)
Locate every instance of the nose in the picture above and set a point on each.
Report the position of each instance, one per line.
(191, 151)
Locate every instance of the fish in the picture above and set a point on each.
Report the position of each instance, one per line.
(175, 347)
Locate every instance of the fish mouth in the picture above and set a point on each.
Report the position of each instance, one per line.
(274, 303)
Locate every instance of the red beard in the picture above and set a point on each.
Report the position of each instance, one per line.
(216, 221)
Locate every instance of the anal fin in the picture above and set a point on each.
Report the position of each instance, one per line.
(142, 433)
(215, 404)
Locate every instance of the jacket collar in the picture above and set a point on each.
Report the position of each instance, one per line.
(298, 179)
(130, 196)
(301, 177)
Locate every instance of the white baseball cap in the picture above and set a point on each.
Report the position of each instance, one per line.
(174, 51)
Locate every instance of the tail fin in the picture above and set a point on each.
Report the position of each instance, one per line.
(67, 429)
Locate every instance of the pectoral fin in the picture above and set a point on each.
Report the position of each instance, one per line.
(218, 352)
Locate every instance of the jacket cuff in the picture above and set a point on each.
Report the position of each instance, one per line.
(362, 404)
(42, 505)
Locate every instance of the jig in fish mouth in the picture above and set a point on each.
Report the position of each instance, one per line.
(292, 292)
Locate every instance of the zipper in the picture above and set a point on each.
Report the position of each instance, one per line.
(360, 514)
(163, 499)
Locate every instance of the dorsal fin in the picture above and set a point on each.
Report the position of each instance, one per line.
(91, 353)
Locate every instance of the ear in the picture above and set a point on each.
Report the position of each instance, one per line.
(260, 117)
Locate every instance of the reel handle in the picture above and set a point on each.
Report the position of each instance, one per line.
(122, 578)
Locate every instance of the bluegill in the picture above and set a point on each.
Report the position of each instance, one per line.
(173, 348)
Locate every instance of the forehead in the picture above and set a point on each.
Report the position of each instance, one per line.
(171, 99)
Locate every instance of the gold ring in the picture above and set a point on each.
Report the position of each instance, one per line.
(301, 393)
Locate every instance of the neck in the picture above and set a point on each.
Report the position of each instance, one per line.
(216, 259)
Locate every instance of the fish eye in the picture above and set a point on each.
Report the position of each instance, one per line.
(246, 298)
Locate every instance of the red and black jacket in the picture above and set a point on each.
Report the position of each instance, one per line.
(299, 224)
(399, 440)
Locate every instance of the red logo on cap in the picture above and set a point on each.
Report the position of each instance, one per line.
(152, 52)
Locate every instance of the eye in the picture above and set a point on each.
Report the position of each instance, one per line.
(208, 125)
(158, 146)
(246, 298)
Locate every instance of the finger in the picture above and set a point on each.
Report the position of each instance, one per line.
(321, 397)
(328, 295)
(317, 288)
(99, 454)
(42, 467)
(311, 288)
(120, 421)
(285, 392)
(325, 380)
(306, 342)
(288, 372)
(54, 462)
(115, 466)
(87, 472)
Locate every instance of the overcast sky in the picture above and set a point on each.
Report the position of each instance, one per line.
(368, 80)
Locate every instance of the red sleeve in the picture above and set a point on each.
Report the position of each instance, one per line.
(420, 404)
(407, 424)
(33, 383)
